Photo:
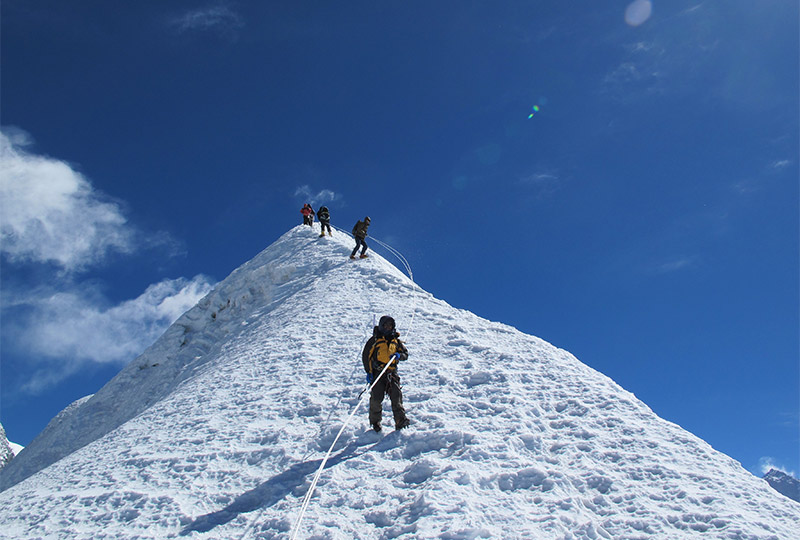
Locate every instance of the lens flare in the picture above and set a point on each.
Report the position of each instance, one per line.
(638, 12)
(535, 110)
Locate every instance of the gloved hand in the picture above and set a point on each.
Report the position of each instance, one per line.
(396, 356)
(369, 378)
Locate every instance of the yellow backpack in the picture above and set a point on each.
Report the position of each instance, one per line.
(385, 349)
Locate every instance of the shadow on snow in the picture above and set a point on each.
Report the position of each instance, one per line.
(270, 492)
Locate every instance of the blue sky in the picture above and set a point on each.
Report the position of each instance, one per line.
(644, 219)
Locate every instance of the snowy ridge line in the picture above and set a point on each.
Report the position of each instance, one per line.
(389, 248)
(346, 422)
(318, 473)
(310, 492)
(398, 255)
(369, 328)
(361, 396)
(402, 260)
(410, 276)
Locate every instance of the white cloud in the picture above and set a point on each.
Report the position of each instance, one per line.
(543, 183)
(766, 463)
(51, 213)
(675, 265)
(692, 9)
(641, 47)
(780, 164)
(321, 197)
(220, 19)
(64, 330)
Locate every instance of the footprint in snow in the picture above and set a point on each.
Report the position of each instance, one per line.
(419, 472)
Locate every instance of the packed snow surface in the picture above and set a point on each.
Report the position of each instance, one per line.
(217, 429)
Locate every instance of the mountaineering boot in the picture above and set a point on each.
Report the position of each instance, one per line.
(330, 233)
(377, 427)
(363, 256)
(352, 256)
(323, 234)
(404, 424)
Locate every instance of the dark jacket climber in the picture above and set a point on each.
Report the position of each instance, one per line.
(385, 347)
(360, 234)
(324, 217)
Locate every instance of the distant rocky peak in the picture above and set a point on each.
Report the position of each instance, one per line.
(784, 484)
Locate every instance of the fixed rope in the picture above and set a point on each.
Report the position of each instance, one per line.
(310, 492)
(402, 260)
(397, 254)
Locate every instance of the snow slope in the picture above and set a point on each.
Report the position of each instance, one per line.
(217, 429)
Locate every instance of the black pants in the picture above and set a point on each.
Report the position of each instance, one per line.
(359, 242)
(308, 220)
(323, 225)
(389, 383)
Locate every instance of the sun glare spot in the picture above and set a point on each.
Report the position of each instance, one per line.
(638, 12)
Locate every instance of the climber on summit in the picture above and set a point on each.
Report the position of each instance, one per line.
(308, 214)
(324, 217)
(360, 234)
(385, 347)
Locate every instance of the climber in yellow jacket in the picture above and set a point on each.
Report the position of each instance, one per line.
(385, 347)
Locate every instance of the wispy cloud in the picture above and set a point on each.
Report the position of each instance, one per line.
(63, 330)
(754, 184)
(51, 213)
(220, 19)
(53, 218)
(780, 164)
(541, 184)
(325, 196)
(633, 78)
(691, 9)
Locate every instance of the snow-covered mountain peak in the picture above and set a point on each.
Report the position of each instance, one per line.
(216, 430)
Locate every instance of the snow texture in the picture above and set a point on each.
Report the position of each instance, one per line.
(217, 429)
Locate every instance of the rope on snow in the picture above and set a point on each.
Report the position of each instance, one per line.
(402, 260)
(310, 492)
